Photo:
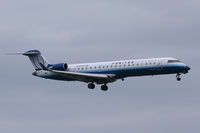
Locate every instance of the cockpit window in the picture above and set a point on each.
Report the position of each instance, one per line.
(173, 61)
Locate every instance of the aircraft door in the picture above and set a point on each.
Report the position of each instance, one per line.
(160, 65)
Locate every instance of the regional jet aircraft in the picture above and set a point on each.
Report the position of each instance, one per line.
(105, 72)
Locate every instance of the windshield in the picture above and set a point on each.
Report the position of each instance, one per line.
(173, 61)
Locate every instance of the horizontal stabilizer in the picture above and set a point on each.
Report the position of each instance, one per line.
(32, 52)
(13, 53)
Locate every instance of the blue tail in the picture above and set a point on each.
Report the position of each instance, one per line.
(38, 61)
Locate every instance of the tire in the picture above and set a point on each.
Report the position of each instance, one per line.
(178, 79)
(104, 87)
(91, 86)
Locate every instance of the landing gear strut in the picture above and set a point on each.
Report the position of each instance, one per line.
(178, 77)
(104, 87)
(91, 85)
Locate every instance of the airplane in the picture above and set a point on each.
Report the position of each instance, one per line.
(105, 72)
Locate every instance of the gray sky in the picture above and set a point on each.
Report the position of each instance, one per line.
(86, 31)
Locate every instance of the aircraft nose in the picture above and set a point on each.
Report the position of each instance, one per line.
(187, 68)
(34, 73)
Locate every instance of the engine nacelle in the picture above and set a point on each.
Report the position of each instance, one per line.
(60, 67)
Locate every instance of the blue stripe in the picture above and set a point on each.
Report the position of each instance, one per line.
(132, 71)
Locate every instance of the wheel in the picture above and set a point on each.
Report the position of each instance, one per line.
(91, 85)
(178, 79)
(104, 87)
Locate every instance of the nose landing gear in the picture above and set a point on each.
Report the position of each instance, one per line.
(178, 77)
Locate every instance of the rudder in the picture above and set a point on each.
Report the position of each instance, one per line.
(37, 60)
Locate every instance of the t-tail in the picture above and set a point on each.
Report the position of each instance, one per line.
(38, 61)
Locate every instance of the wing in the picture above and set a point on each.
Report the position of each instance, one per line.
(87, 77)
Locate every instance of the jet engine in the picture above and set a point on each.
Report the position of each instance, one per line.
(60, 67)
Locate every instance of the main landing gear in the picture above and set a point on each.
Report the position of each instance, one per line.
(178, 77)
(103, 87)
(91, 85)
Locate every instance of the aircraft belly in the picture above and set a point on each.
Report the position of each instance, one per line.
(57, 77)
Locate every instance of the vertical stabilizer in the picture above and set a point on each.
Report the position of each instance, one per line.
(38, 61)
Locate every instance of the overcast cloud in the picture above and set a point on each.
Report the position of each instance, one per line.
(87, 31)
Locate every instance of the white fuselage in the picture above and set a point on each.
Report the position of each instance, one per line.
(124, 68)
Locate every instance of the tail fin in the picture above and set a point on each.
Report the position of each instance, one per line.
(38, 61)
